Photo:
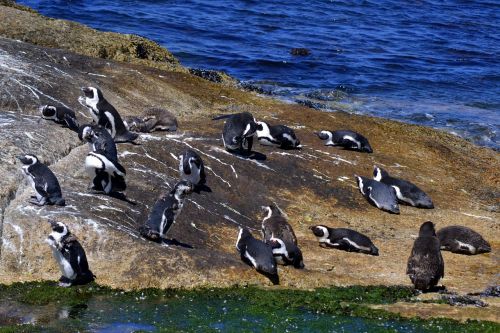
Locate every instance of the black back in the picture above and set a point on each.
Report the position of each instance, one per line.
(42, 176)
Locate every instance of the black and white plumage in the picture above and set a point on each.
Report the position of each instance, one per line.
(277, 232)
(191, 167)
(61, 115)
(69, 255)
(256, 253)
(154, 119)
(105, 114)
(239, 130)
(406, 192)
(425, 264)
(43, 181)
(165, 211)
(462, 240)
(378, 194)
(344, 239)
(101, 163)
(278, 135)
(347, 139)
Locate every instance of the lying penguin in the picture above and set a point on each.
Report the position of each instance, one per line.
(43, 181)
(105, 114)
(343, 239)
(406, 192)
(165, 211)
(239, 130)
(277, 135)
(378, 194)
(347, 139)
(154, 119)
(60, 115)
(425, 265)
(69, 255)
(101, 163)
(462, 240)
(191, 167)
(278, 233)
(256, 253)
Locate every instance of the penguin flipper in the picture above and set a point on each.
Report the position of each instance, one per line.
(71, 122)
(126, 137)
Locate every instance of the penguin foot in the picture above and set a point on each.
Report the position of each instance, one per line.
(36, 202)
(149, 234)
(64, 282)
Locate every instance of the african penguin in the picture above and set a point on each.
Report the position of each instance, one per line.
(105, 114)
(343, 239)
(60, 115)
(347, 139)
(69, 255)
(425, 264)
(378, 194)
(101, 163)
(191, 167)
(406, 192)
(277, 135)
(256, 253)
(154, 119)
(43, 181)
(462, 240)
(165, 211)
(239, 130)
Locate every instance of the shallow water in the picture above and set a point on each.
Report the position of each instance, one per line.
(430, 62)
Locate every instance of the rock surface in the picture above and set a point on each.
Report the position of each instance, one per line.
(313, 185)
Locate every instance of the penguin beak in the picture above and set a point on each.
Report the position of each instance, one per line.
(311, 227)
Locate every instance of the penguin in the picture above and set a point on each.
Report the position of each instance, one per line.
(378, 194)
(105, 114)
(154, 119)
(239, 130)
(43, 181)
(101, 163)
(277, 232)
(344, 239)
(69, 255)
(165, 211)
(191, 167)
(256, 253)
(277, 135)
(347, 139)
(406, 192)
(425, 264)
(462, 240)
(60, 115)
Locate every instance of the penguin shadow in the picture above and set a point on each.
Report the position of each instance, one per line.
(202, 188)
(119, 196)
(252, 155)
(175, 242)
(436, 289)
(131, 142)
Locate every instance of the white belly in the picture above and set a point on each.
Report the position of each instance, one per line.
(64, 265)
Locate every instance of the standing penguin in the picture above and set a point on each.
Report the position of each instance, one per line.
(256, 253)
(43, 181)
(425, 264)
(191, 167)
(347, 139)
(277, 232)
(238, 132)
(69, 255)
(101, 163)
(165, 211)
(462, 240)
(61, 115)
(154, 119)
(406, 192)
(277, 135)
(378, 194)
(344, 239)
(105, 114)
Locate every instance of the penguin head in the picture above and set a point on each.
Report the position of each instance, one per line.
(58, 228)
(365, 146)
(183, 188)
(92, 93)
(243, 235)
(379, 173)
(319, 231)
(85, 132)
(359, 181)
(427, 229)
(28, 159)
(250, 129)
(132, 123)
(48, 111)
(262, 126)
(323, 135)
(271, 210)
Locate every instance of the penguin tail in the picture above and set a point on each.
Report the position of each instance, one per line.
(60, 202)
(126, 137)
(224, 116)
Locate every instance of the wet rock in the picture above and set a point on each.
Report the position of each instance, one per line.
(212, 75)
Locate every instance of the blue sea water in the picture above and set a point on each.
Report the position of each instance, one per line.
(435, 63)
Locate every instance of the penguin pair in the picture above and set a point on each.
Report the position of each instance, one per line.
(165, 211)
(60, 115)
(239, 130)
(101, 163)
(279, 234)
(378, 194)
(69, 255)
(347, 139)
(278, 135)
(344, 239)
(154, 119)
(105, 115)
(43, 181)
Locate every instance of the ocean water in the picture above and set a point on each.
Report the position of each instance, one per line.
(435, 63)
